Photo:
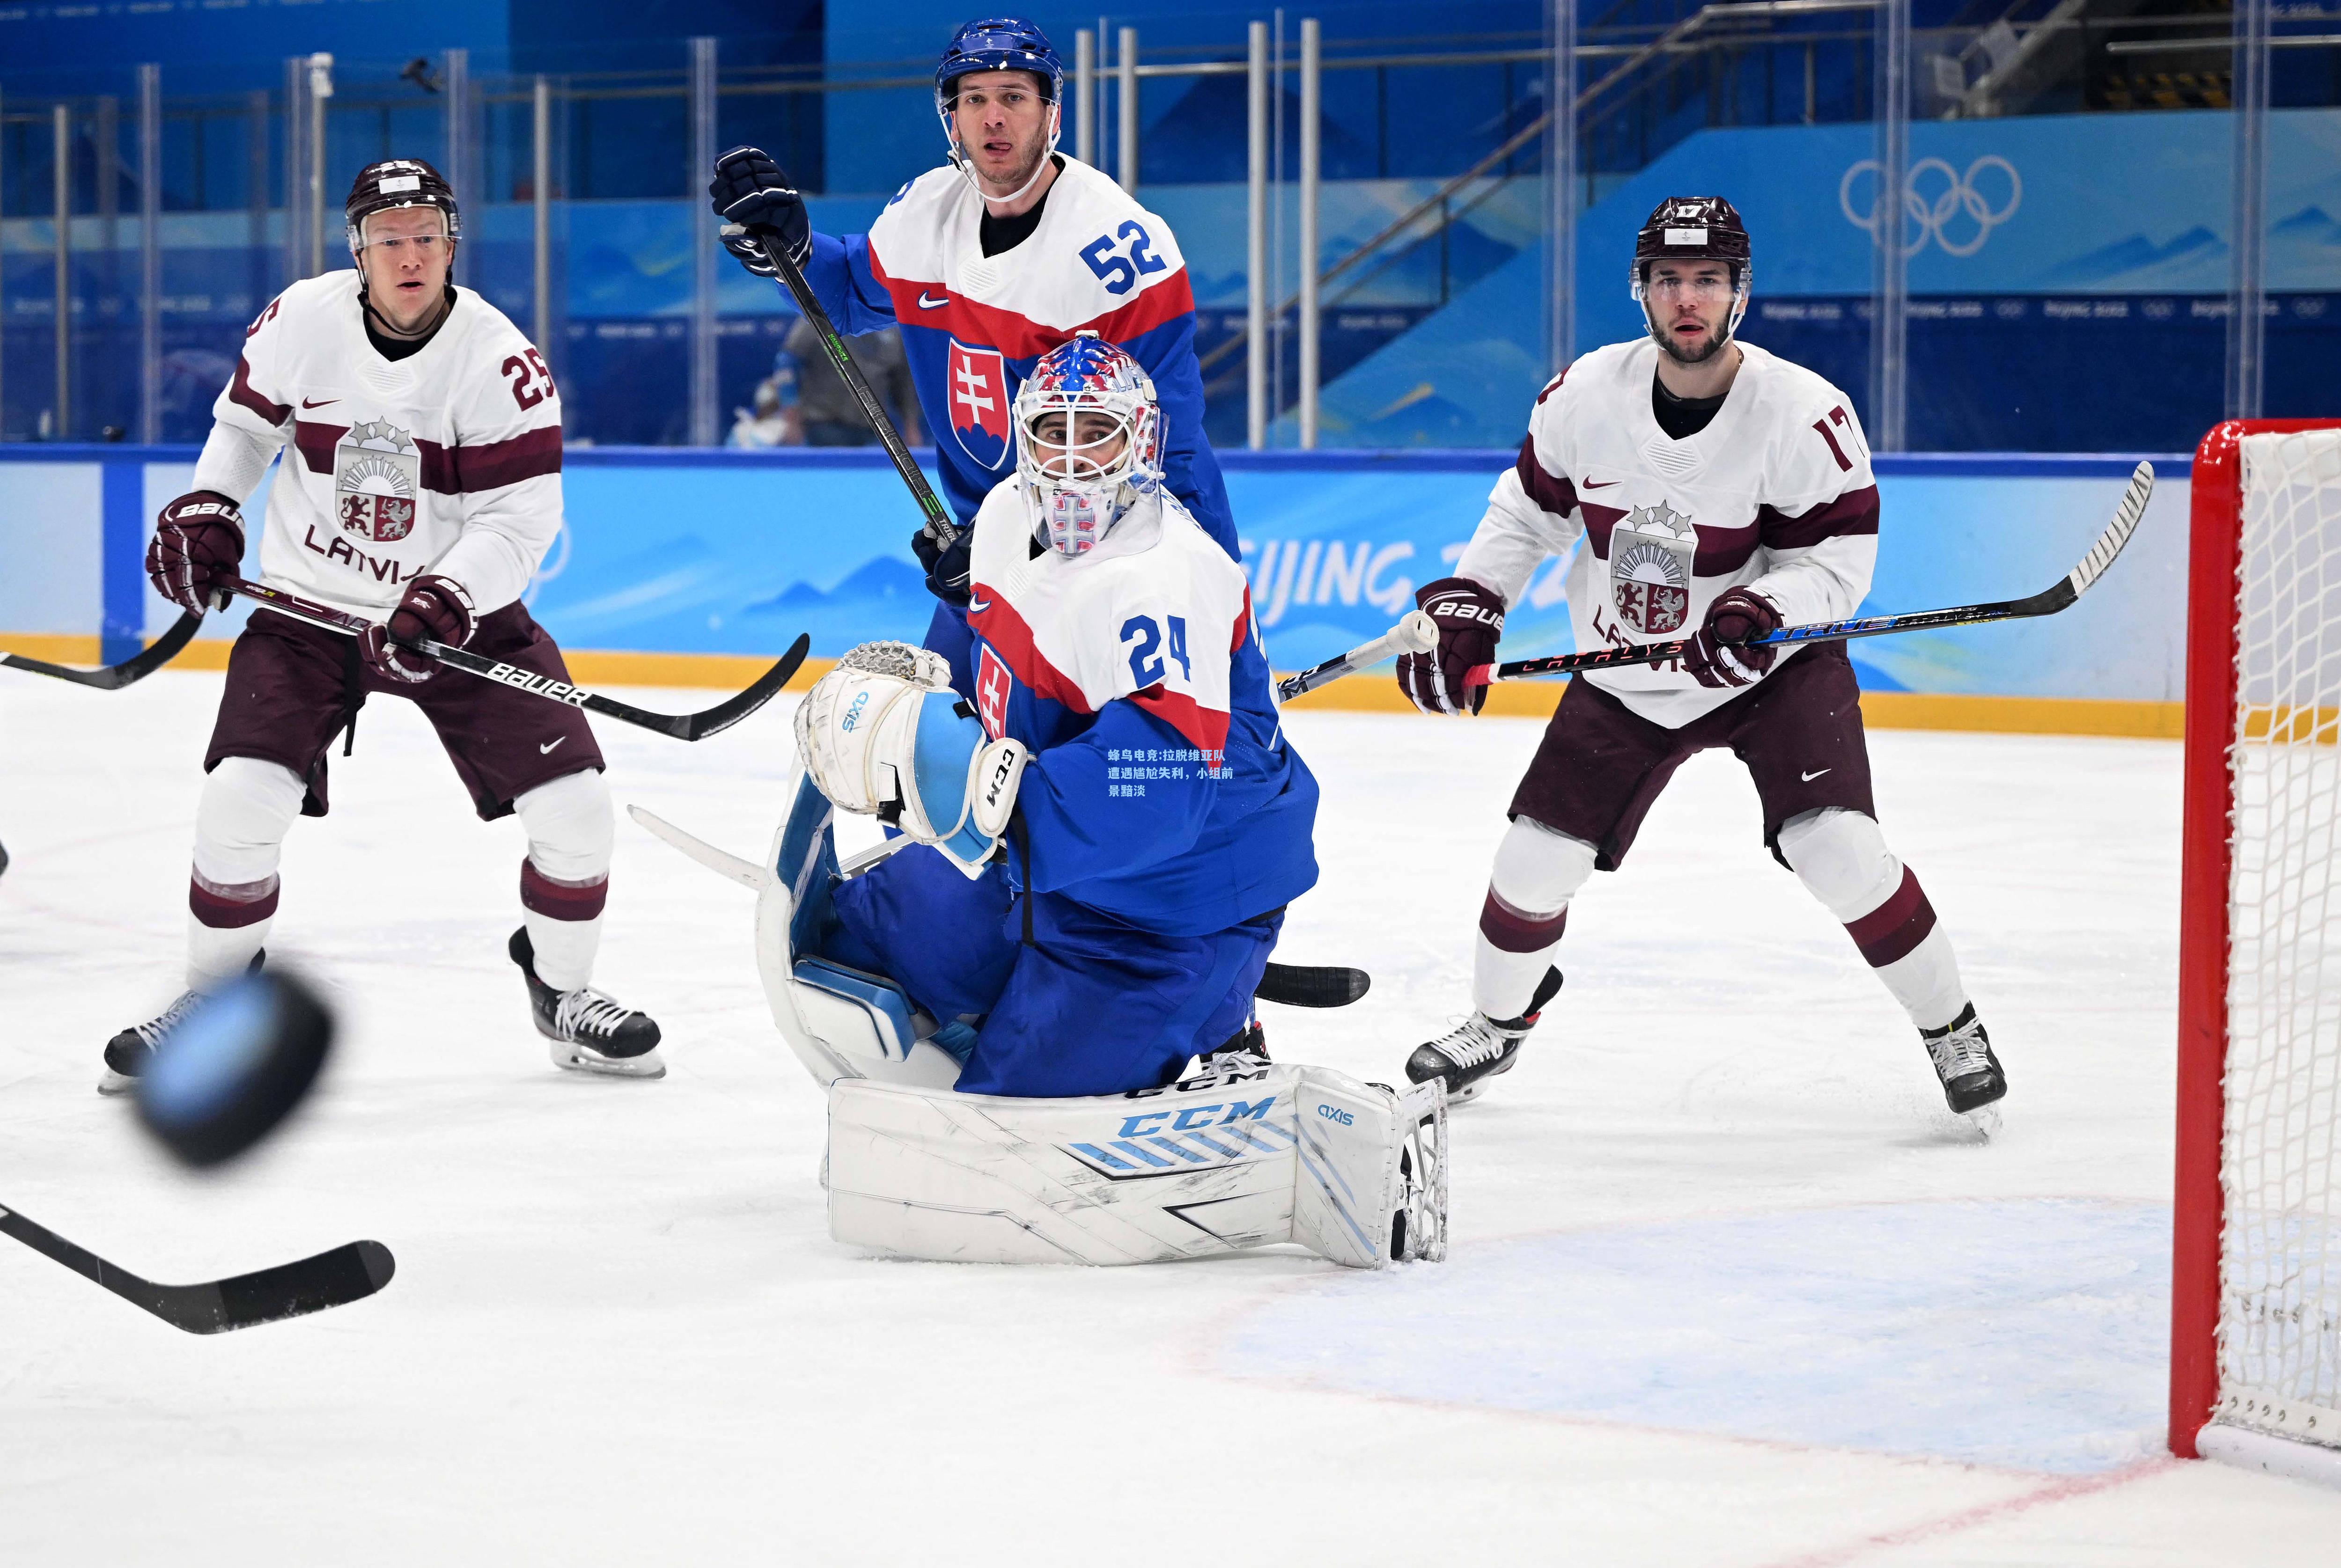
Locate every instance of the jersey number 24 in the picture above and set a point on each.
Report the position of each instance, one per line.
(1145, 669)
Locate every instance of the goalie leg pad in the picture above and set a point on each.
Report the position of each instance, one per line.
(1218, 1162)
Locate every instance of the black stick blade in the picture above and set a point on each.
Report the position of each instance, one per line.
(348, 1273)
(1303, 985)
(724, 715)
(113, 676)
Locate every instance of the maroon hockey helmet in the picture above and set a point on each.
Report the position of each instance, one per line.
(397, 183)
(1696, 229)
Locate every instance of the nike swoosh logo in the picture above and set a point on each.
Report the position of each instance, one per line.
(546, 749)
(1808, 777)
(927, 304)
(320, 402)
(1599, 484)
(978, 606)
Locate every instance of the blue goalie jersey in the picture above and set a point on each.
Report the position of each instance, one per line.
(1161, 790)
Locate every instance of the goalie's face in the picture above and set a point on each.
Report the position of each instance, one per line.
(1083, 446)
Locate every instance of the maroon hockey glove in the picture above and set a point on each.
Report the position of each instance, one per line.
(438, 607)
(1737, 614)
(1470, 617)
(198, 539)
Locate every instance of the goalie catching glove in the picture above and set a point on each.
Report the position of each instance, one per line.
(885, 735)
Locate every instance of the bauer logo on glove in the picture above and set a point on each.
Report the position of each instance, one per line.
(885, 735)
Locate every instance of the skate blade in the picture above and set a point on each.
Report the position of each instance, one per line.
(115, 1084)
(576, 1058)
(1985, 1120)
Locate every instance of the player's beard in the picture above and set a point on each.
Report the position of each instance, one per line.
(1718, 339)
(1020, 174)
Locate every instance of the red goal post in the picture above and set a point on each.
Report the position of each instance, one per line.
(2256, 1293)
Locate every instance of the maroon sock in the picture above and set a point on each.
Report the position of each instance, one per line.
(228, 907)
(559, 900)
(1897, 926)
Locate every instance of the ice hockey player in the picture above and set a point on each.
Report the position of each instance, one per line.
(1106, 841)
(1720, 492)
(988, 263)
(420, 485)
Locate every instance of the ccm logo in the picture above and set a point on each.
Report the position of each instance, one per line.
(1334, 1114)
(853, 713)
(1001, 772)
(1193, 1117)
(528, 680)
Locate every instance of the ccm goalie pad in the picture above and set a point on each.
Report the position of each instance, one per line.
(1245, 1156)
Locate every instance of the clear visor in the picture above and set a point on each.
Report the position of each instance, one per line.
(367, 236)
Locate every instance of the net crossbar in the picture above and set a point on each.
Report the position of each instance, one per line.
(2256, 1285)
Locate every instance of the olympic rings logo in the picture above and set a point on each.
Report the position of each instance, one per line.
(1959, 218)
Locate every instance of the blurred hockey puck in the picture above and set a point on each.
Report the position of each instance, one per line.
(224, 1079)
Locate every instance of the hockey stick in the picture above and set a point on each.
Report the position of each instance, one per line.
(1292, 984)
(682, 726)
(2056, 596)
(115, 677)
(938, 523)
(348, 1273)
(1414, 633)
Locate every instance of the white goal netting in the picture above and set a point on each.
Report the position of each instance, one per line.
(2279, 1336)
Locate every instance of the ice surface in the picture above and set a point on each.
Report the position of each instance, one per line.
(1730, 1287)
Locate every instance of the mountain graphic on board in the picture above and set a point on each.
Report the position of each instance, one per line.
(2194, 261)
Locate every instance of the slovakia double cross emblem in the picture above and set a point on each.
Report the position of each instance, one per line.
(994, 686)
(377, 475)
(979, 404)
(1651, 556)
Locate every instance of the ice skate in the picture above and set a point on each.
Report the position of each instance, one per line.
(590, 1032)
(1973, 1083)
(127, 1054)
(1478, 1048)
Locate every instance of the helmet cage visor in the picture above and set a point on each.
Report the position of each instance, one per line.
(1081, 457)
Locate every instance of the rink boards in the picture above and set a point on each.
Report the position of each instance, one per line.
(694, 567)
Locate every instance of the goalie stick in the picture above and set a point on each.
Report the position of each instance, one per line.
(937, 522)
(1290, 985)
(115, 677)
(682, 726)
(2058, 595)
(1414, 633)
(348, 1273)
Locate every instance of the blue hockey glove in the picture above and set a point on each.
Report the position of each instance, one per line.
(754, 196)
(948, 567)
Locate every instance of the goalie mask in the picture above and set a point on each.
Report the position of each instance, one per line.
(1694, 229)
(1089, 441)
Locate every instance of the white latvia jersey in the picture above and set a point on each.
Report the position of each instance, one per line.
(1775, 494)
(448, 461)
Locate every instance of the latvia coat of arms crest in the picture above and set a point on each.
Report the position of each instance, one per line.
(377, 482)
(1650, 555)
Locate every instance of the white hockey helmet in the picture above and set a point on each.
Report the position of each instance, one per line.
(1083, 471)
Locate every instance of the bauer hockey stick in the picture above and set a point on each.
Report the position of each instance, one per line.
(115, 677)
(682, 726)
(1416, 632)
(348, 1272)
(2056, 596)
(938, 523)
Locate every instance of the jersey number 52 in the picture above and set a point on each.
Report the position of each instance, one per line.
(1121, 272)
(1145, 669)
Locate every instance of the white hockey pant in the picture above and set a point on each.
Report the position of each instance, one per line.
(1226, 1160)
(1841, 857)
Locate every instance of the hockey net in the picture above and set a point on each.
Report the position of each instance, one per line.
(2256, 1283)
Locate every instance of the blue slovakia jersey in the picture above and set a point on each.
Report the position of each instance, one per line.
(1161, 790)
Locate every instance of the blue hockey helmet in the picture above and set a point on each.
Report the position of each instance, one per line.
(998, 44)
